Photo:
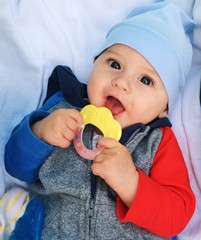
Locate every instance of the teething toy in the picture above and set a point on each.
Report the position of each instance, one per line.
(102, 118)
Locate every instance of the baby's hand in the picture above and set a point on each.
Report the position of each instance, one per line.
(115, 165)
(58, 129)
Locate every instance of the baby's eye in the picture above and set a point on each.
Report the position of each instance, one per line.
(146, 80)
(114, 64)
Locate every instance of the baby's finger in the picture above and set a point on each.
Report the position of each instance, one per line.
(72, 124)
(65, 143)
(59, 141)
(76, 115)
(68, 134)
(108, 142)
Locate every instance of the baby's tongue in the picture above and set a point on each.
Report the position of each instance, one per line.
(114, 105)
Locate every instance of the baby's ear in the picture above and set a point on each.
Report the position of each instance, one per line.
(164, 113)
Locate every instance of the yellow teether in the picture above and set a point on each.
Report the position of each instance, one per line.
(102, 118)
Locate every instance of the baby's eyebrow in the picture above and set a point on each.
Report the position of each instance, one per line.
(112, 51)
(151, 71)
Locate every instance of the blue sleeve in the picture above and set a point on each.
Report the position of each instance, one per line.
(24, 152)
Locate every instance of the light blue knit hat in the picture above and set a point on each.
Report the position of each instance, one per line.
(161, 32)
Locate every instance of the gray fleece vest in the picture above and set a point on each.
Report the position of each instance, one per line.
(65, 189)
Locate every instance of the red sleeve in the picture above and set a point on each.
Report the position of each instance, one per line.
(164, 202)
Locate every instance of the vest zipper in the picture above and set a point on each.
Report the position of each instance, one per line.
(92, 199)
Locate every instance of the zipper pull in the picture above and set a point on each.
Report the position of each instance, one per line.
(90, 213)
(91, 208)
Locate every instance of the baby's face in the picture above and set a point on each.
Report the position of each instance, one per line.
(123, 81)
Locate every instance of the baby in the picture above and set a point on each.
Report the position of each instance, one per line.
(138, 187)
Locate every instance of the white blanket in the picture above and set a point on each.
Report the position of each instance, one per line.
(186, 119)
(35, 36)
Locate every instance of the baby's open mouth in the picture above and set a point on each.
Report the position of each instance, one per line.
(114, 105)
